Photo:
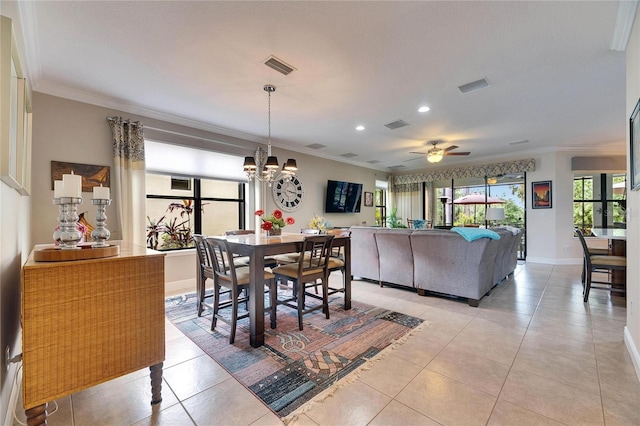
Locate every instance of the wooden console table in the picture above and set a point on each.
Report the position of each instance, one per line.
(86, 322)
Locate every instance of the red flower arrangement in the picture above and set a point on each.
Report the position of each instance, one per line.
(274, 220)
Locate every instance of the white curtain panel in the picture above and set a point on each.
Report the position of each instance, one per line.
(128, 179)
(409, 203)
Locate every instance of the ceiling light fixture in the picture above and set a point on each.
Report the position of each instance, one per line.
(434, 155)
(263, 166)
(360, 128)
(423, 109)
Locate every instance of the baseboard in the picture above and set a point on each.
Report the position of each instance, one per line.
(633, 351)
(13, 398)
(174, 288)
(554, 260)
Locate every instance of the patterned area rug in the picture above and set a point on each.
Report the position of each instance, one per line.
(294, 366)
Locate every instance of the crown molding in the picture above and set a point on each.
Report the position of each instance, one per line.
(624, 24)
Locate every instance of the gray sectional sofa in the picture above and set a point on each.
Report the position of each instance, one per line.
(433, 260)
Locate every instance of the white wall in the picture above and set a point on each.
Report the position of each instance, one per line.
(15, 244)
(632, 331)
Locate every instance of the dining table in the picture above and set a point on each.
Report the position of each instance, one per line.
(617, 238)
(258, 245)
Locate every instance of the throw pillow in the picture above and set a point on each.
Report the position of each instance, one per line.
(419, 223)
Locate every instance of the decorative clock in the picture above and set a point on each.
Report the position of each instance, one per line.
(288, 194)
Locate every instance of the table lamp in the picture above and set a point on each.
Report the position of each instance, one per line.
(495, 214)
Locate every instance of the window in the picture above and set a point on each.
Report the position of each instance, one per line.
(194, 206)
(599, 201)
(381, 207)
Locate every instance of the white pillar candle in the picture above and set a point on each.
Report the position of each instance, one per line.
(72, 186)
(100, 193)
(58, 188)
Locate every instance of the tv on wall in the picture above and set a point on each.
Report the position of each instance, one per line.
(343, 197)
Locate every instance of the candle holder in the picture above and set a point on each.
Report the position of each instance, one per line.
(56, 232)
(68, 219)
(100, 234)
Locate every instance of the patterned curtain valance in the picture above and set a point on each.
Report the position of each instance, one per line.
(128, 139)
(408, 187)
(401, 182)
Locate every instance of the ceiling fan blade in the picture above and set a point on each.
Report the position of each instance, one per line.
(452, 147)
(416, 158)
(417, 153)
(457, 153)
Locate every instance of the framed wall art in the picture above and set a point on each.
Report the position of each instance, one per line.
(634, 151)
(541, 194)
(368, 199)
(91, 175)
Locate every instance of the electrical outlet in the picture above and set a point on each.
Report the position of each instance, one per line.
(7, 357)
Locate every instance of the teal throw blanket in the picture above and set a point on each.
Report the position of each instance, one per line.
(471, 234)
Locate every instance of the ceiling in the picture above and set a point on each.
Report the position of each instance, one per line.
(554, 81)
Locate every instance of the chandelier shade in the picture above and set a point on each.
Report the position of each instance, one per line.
(263, 166)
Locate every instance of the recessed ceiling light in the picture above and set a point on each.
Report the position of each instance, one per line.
(423, 109)
(360, 128)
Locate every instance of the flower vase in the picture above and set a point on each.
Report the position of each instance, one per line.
(274, 232)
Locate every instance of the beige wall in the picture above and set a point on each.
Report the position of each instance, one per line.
(66, 130)
(632, 332)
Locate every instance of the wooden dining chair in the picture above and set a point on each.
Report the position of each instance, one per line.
(235, 279)
(593, 251)
(204, 272)
(312, 266)
(269, 261)
(337, 259)
(597, 263)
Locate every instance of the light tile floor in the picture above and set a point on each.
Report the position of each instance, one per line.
(532, 353)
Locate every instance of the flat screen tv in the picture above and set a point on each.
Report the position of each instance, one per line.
(343, 197)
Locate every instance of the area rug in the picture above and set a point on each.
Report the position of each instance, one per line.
(294, 367)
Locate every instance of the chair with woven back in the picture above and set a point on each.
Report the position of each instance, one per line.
(312, 265)
(597, 263)
(235, 279)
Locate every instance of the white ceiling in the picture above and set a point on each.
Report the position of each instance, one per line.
(554, 80)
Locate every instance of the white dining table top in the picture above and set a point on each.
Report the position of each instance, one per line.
(610, 233)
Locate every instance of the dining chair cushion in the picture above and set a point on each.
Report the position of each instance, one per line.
(243, 274)
(291, 270)
(609, 260)
(335, 263)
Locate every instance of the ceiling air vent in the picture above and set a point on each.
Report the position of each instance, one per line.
(396, 124)
(278, 65)
(373, 161)
(349, 155)
(473, 86)
(396, 167)
(519, 142)
(316, 146)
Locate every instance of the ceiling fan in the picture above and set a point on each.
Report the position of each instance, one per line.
(435, 154)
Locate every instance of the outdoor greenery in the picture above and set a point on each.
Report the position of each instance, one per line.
(173, 232)
(588, 205)
(393, 221)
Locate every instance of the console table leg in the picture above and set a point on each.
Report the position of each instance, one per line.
(156, 383)
(37, 416)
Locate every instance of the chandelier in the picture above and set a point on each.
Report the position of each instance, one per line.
(263, 166)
